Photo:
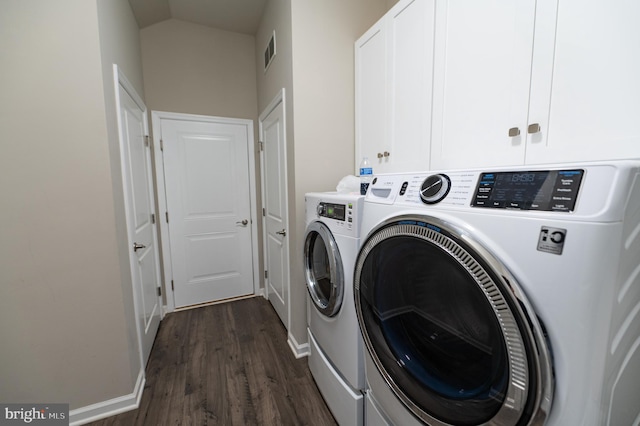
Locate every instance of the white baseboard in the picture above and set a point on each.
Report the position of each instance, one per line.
(109, 408)
(299, 350)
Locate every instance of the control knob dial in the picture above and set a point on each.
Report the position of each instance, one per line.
(435, 188)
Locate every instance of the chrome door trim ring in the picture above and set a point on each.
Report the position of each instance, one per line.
(332, 307)
(429, 228)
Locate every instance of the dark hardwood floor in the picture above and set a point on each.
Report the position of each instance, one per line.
(226, 364)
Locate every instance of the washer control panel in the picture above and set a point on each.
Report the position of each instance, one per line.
(546, 190)
(554, 190)
(452, 189)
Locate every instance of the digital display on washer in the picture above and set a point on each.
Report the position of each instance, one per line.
(549, 190)
(333, 211)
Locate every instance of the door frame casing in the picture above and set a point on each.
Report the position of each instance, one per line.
(277, 100)
(163, 208)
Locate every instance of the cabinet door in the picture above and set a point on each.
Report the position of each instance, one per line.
(410, 38)
(371, 95)
(588, 106)
(481, 82)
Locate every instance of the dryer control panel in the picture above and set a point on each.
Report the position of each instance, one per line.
(333, 211)
(341, 213)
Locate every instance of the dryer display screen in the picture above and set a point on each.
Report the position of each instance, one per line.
(332, 211)
(549, 190)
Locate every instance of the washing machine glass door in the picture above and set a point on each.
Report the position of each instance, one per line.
(323, 269)
(447, 330)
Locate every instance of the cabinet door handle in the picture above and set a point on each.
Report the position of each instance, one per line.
(513, 132)
(533, 128)
(386, 154)
(379, 155)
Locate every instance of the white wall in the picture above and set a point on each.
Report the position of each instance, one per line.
(277, 17)
(323, 35)
(63, 319)
(120, 44)
(195, 69)
(314, 63)
(391, 3)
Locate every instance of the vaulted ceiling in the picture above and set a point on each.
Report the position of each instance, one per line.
(241, 16)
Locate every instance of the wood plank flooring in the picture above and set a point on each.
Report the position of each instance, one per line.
(226, 364)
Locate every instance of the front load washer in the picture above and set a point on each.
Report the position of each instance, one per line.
(502, 296)
(332, 240)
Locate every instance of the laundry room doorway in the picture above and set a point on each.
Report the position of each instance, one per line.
(205, 174)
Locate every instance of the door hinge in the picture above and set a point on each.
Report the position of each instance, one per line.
(159, 291)
(153, 218)
(261, 145)
(161, 145)
(172, 289)
(146, 140)
(266, 274)
(166, 216)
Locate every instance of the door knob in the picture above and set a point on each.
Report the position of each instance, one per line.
(243, 222)
(283, 232)
(137, 246)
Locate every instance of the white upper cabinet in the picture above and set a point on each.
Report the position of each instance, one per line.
(394, 74)
(481, 82)
(585, 86)
(535, 82)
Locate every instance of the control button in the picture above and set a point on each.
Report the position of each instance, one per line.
(403, 189)
(435, 188)
(561, 207)
(536, 206)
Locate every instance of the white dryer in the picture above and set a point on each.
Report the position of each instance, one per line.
(332, 240)
(502, 296)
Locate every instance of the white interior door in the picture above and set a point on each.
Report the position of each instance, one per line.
(140, 205)
(207, 185)
(274, 199)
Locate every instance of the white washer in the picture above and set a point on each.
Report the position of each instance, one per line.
(331, 245)
(502, 296)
